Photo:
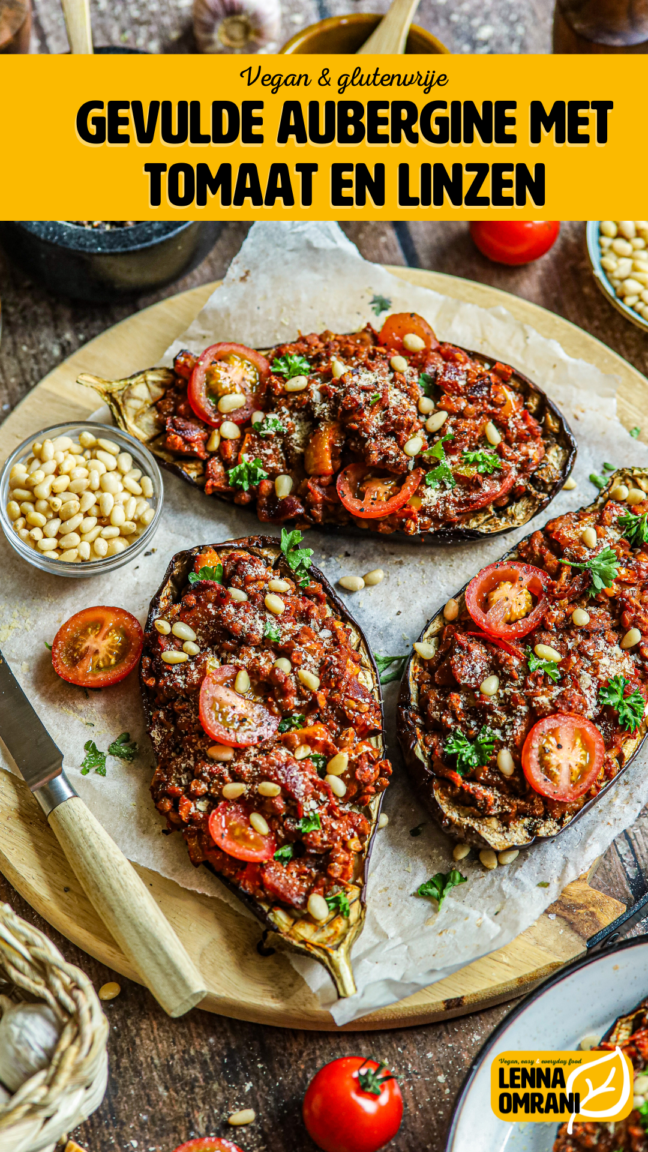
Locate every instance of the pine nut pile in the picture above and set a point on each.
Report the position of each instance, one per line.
(79, 501)
(624, 257)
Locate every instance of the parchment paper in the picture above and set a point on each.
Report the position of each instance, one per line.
(310, 277)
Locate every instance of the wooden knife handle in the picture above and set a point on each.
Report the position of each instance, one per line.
(79, 29)
(127, 908)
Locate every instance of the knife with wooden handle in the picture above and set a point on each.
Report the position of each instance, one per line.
(109, 880)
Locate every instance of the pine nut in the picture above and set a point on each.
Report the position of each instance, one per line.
(111, 482)
(308, 679)
(414, 446)
(508, 856)
(338, 764)
(302, 752)
(132, 486)
(491, 433)
(36, 533)
(242, 682)
(488, 858)
(183, 631)
(36, 519)
(230, 791)
(115, 546)
(162, 626)
(267, 788)
(636, 496)
(631, 638)
(544, 652)
(109, 991)
(222, 753)
(146, 516)
(86, 502)
(460, 851)
(337, 368)
(505, 762)
(71, 524)
(42, 491)
(580, 617)
(283, 486)
(376, 576)
(13, 510)
(383, 820)
(451, 610)
(117, 516)
(124, 462)
(92, 535)
(297, 384)
(97, 466)
(146, 485)
(71, 540)
(130, 508)
(352, 583)
(278, 585)
(425, 405)
(257, 417)
(110, 532)
(337, 786)
(190, 648)
(108, 446)
(100, 547)
(172, 656)
(128, 527)
(259, 823)
(489, 686)
(238, 594)
(317, 907)
(46, 544)
(413, 343)
(436, 420)
(425, 650)
(229, 430)
(70, 555)
(84, 550)
(283, 664)
(214, 441)
(619, 492)
(274, 604)
(589, 538)
(231, 402)
(398, 363)
(641, 1084)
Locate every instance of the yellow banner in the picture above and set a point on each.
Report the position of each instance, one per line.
(340, 137)
(558, 1087)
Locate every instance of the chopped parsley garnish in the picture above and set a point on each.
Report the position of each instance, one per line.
(320, 762)
(485, 462)
(207, 573)
(609, 467)
(470, 754)
(549, 667)
(271, 630)
(442, 473)
(599, 481)
(285, 853)
(437, 887)
(542, 884)
(293, 364)
(374, 398)
(269, 426)
(629, 709)
(339, 902)
(93, 759)
(634, 528)
(603, 569)
(310, 823)
(123, 747)
(643, 1115)
(426, 383)
(379, 304)
(247, 473)
(48, 646)
(635, 433)
(299, 559)
(289, 722)
(390, 667)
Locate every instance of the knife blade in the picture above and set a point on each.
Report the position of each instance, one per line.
(36, 755)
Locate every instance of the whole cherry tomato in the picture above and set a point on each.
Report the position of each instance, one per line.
(514, 241)
(353, 1105)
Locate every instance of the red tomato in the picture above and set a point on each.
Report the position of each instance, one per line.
(97, 647)
(229, 717)
(221, 370)
(403, 324)
(492, 488)
(353, 1105)
(498, 642)
(369, 496)
(231, 831)
(514, 241)
(508, 598)
(209, 1144)
(562, 756)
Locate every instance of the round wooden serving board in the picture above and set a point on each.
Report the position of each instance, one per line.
(242, 984)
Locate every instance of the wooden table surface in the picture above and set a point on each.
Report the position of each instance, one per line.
(172, 1080)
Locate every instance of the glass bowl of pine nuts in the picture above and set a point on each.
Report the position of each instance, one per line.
(618, 252)
(80, 499)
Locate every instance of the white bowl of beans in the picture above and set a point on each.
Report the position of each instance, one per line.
(80, 499)
(618, 251)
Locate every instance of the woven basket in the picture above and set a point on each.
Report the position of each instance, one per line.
(55, 1100)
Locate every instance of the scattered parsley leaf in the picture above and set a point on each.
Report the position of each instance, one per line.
(629, 709)
(247, 473)
(320, 762)
(93, 759)
(123, 748)
(269, 426)
(417, 831)
(374, 398)
(542, 884)
(635, 433)
(485, 462)
(385, 669)
(609, 468)
(437, 887)
(293, 364)
(426, 383)
(379, 304)
(643, 1115)
(634, 528)
(207, 573)
(271, 630)
(285, 853)
(310, 823)
(603, 568)
(470, 754)
(289, 722)
(442, 472)
(339, 902)
(549, 667)
(599, 481)
(299, 559)
(48, 646)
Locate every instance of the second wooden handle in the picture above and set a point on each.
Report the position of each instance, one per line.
(79, 28)
(127, 908)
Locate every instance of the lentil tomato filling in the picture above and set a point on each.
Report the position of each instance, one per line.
(390, 430)
(534, 698)
(265, 730)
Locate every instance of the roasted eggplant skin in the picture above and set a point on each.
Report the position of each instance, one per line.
(132, 403)
(331, 943)
(428, 786)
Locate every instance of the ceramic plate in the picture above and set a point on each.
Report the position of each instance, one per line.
(584, 998)
(594, 253)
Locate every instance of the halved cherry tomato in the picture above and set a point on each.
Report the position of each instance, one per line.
(353, 1105)
(221, 370)
(229, 717)
(562, 756)
(491, 488)
(97, 647)
(514, 241)
(366, 494)
(508, 598)
(497, 641)
(209, 1144)
(403, 324)
(231, 831)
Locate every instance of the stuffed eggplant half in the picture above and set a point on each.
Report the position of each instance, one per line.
(263, 705)
(525, 697)
(388, 431)
(630, 1034)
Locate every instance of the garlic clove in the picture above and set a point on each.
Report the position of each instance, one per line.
(29, 1034)
(236, 25)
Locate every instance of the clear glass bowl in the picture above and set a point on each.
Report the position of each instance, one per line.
(142, 458)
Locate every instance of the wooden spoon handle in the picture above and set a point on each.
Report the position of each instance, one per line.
(79, 28)
(127, 908)
(390, 36)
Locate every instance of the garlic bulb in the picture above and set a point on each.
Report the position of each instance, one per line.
(29, 1034)
(236, 25)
